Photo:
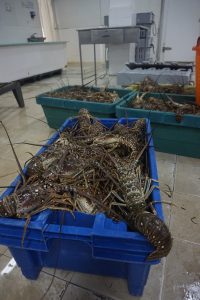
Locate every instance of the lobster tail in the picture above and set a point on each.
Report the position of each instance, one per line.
(156, 232)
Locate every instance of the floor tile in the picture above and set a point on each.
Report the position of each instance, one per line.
(3, 262)
(181, 224)
(166, 164)
(188, 175)
(3, 249)
(182, 272)
(5, 181)
(117, 288)
(74, 292)
(167, 206)
(23, 151)
(8, 101)
(62, 274)
(14, 286)
(7, 167)
(8, 254)
(34, 133)
(166, 156)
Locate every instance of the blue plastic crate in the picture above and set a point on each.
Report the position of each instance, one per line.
(90, 243)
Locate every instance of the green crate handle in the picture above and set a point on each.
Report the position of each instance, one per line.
(128, 96)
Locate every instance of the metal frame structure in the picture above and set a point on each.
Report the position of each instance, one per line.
(107, 36)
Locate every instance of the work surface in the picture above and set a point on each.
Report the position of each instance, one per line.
(177, 277)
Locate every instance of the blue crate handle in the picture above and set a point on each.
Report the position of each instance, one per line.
(67, 232)
(76, 226)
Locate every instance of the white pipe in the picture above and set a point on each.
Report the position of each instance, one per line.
(160, 31)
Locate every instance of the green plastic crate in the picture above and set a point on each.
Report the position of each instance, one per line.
(57, 110)
(170, 136)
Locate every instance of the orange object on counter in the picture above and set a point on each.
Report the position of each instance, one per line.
(197, 49)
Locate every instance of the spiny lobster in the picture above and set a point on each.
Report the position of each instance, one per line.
(87, 129)
(136, 192)
(101, 171)
(137, 189)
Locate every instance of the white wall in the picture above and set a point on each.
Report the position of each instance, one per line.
(16, 24)
(78, 13)
(71, 35)
(74, 14)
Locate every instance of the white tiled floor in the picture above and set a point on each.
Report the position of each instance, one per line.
(177, 277)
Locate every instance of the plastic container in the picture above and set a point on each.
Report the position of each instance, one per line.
(127, 76)
(57, 110)
(90, 243)
(169, 135)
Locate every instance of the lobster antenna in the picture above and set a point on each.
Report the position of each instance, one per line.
(6, 186)
(32, 144)
(58, 131)
(15, 155)
(38, 119)
(142, 151)
(144, 148)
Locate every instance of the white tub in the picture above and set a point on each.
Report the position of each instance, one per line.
(18, 61)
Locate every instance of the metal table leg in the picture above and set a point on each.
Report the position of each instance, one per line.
(15, 87)
(17, 91)
(81, 63)
(95, 65)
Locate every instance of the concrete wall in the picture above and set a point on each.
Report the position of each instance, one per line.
(16, 25)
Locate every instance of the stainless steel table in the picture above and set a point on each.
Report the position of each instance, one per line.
(108, 35)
